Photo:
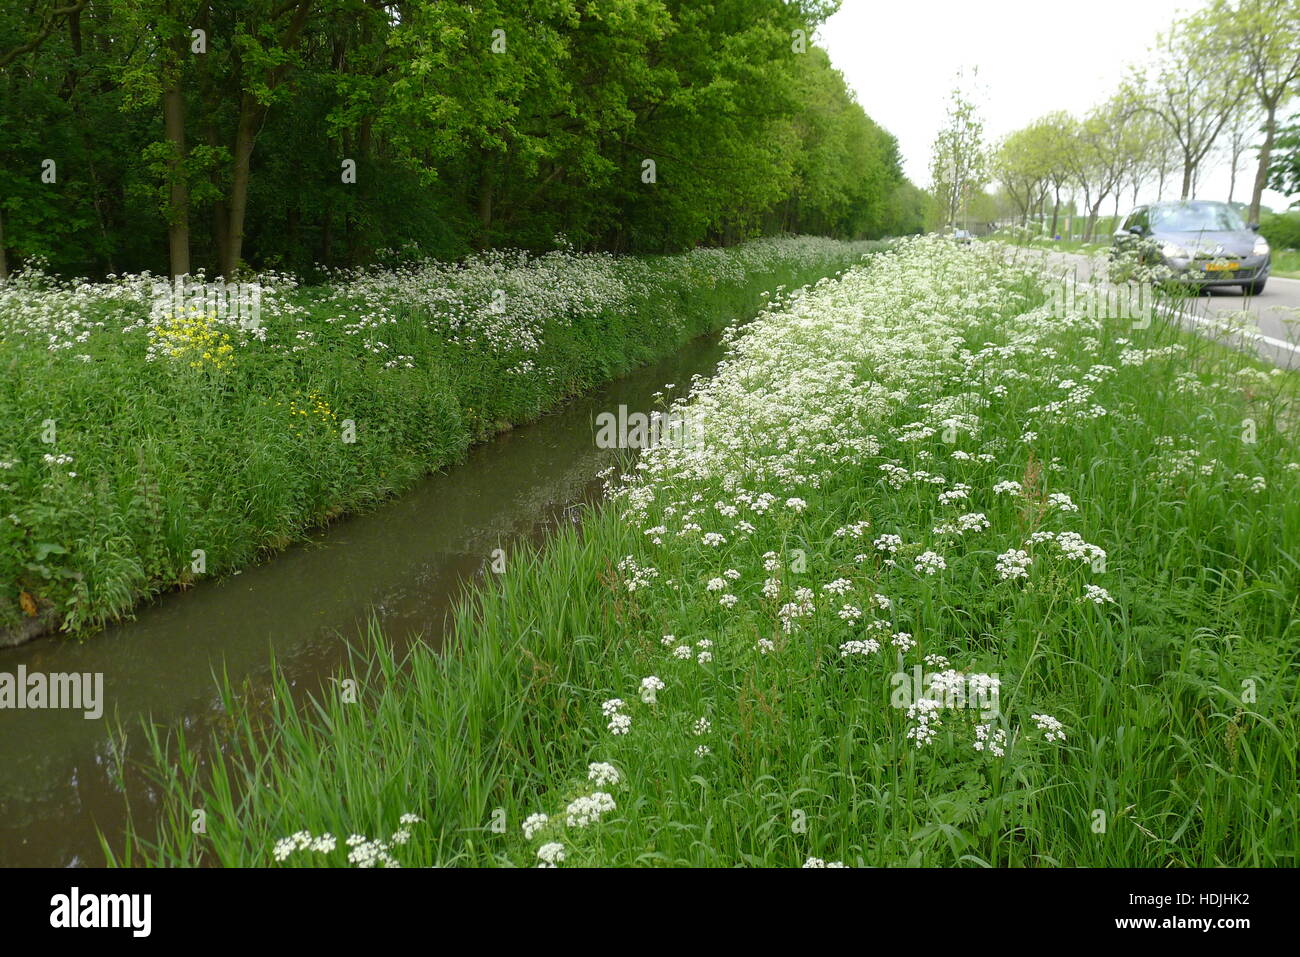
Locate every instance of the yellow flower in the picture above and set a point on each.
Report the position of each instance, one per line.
(314, 405)
(195, 335)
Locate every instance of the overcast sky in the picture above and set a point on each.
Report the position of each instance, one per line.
(1034, 56)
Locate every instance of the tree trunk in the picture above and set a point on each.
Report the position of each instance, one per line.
(178, 204)
(1092, 219)
(1265, 157)
(1188, 168)
(208, 100)
(251, 115)
(74, 38)
(4, 263)
(244, 137)
(1056, 212)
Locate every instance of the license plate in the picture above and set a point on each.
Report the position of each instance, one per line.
(1221, 267)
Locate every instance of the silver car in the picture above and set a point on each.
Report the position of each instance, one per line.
(1203, 243)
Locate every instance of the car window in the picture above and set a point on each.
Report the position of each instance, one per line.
(1190, 217)
(1136, 218)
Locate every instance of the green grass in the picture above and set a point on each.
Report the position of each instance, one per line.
(1100, 242)
(195, 461)
(1179, 699)
(1072, 245)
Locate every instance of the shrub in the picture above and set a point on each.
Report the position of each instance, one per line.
(1282, 230)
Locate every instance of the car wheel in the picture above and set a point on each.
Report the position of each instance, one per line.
(1253, 288)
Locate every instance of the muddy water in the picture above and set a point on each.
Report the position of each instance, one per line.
(405, 562)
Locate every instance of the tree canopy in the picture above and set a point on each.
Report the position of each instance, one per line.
(190, 134)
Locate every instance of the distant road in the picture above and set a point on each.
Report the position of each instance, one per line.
(1277, 310)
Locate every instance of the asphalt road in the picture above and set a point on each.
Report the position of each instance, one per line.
(1276, 311)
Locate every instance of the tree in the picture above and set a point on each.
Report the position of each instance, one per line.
(1132, 134)
(24, 32)
(959, 159)
(152, 75)
(263, 53)
(1189, 90)
(43, 17)
(905, 211)
(1147, 151)
(1060, 135)
(1239, 135)
(1284, 170)
(1023, 163)
(1165, 154)
(1261, 40)
(847, 168)
(1096, 162)
(298, 132)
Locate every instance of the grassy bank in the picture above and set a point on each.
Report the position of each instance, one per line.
(1016, 236)
(143, 445)
(941, 578)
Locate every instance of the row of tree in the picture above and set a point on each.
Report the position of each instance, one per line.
(178, 134)
(1215, 86)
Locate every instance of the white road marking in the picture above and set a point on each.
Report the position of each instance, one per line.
(1252, 336)
(1257, 337)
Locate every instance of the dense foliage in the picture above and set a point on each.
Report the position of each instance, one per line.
(145, 443)
(1282, 230)
(148, 134)
(1284, 173)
